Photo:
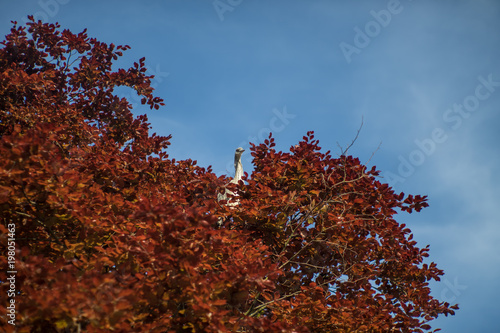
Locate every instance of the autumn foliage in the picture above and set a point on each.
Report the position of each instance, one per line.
(113, 235)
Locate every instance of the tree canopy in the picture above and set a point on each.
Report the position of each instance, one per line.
(111, 234)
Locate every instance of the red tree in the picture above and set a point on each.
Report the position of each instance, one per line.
(112, 235)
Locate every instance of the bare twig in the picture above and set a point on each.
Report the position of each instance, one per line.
(344, 151)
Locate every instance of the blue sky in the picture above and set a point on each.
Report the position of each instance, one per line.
(423, 75)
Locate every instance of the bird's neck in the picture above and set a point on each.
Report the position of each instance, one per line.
(238, 169)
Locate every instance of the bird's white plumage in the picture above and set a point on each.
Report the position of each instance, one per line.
(238, 166)
(238, 173)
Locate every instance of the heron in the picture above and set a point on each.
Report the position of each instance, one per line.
(238, 167)
(238, 173)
